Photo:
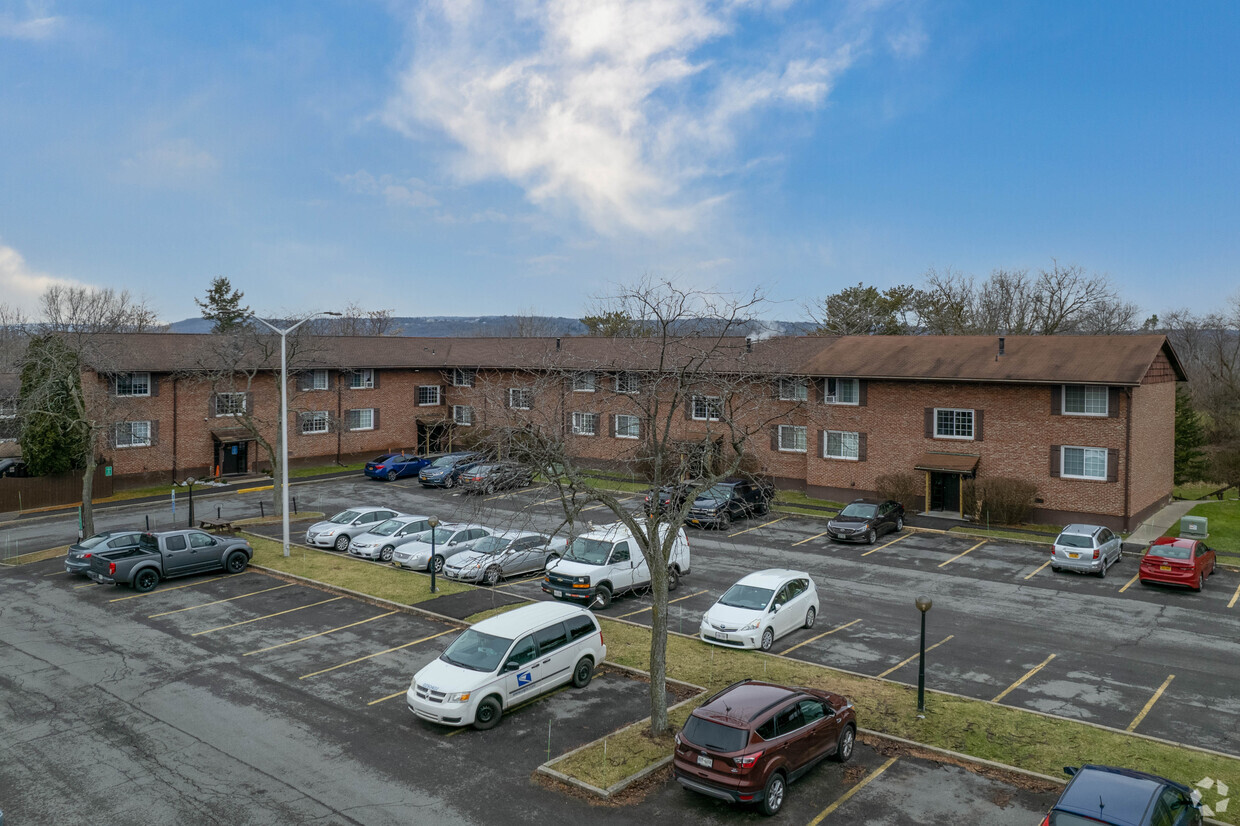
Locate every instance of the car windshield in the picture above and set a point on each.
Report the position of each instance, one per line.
(746, 596)
(93, 541)
(491, 544)
(345, 517)
(716, 492)
(476, 651)
(861, 509)
(590, 551)
(387, 528)
(1169, 552)
(446, 461)
(1074, 540)
(442, 535)
(715, 736)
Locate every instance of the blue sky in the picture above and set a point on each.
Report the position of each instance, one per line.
(469, 157)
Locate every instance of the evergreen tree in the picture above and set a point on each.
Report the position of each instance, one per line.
(1190, 462)
(223, 306)
(53, 438)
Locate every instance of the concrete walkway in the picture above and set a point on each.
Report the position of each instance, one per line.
(1157, 525)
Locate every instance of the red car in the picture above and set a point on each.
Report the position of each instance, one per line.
(1172, 561)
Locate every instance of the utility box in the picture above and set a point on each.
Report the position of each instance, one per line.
(1193, 527)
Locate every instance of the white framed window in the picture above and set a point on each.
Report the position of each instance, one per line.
(793, 390)
(628, 383)
(362, 379)
(585, 424)
(792, 438)
(707, 408)
(230, 404)
(841, 444)
(628, 427)
(463, 377)
(363, 419)
(841, 391)
(428, 394)
(952, 423)
(133, 384)
(1084, 400)
(584, 382)
(318, 380)
(1083, 462)
(314, 422)
(520, 398)
(133, 434)
(463, 415)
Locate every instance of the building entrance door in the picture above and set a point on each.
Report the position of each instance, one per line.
(235, 458)
(944, 491)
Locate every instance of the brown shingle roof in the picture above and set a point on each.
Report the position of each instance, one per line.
(1116, 360)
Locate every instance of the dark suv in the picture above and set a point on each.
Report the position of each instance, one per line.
(730, 499)
(864, 520)
(749, 741)
(445, 471)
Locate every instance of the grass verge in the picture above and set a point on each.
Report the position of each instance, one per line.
(792, 498)
(35, 556)
(1196, 490)
(1024, 535)
(323, 470)
(1005, 734)
(1223, 524)
(381, 581)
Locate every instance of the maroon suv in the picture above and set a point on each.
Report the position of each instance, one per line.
(749, 741)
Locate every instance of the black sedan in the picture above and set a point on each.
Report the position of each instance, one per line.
(492, 476)
(864, 520)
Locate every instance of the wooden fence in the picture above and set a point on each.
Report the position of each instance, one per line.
(46, 491)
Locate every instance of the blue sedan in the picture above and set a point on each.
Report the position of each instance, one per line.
(393, 466)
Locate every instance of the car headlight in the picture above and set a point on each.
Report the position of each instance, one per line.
(328, 531)
(457, 698)
(753, 626)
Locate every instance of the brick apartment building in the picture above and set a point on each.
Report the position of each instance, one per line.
(1089, 420)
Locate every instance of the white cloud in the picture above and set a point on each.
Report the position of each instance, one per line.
(410, 192)
(22, 286)
(615, 109)
(36, 22)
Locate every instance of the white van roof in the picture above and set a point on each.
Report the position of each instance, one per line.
(514, 623)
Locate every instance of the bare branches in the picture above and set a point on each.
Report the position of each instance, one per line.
(84, 310)
(356, 321)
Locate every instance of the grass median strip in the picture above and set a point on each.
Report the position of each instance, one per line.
(990, 731)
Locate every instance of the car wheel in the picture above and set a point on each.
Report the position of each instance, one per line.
(602, 598)
(391, 476)
(1055, 569)
(871, 536)
(763, 508)
(725, 521)
(810, 616)
(146, 579)
(489, 489)
(583, 673)
(437, 561)
(491, 577)
(773, 794)
(342, 543)
(385, 553)
(899, 523)
(1102, 572)
(673, 579)
(844, 747)
(768, 639)
(236, 562)
(449, 482)
(488, 714)
(1201, 582)
(551, 560)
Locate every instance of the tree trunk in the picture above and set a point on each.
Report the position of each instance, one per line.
(88, 491)
(658, 647)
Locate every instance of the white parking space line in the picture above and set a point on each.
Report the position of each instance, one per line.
(755, 527)
(903, 663)
(962, 553)
(1005, 692)
(892, 542)
(1039, 568)
(1137, 721)
(844, 798)
(820, 636)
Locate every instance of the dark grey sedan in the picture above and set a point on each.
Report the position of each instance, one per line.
(492, 476)
(77, 561)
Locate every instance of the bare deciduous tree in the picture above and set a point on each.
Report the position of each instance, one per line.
(356, 321)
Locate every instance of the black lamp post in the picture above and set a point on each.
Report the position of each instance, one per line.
(923, 605)
(434, 523)
(190, 484)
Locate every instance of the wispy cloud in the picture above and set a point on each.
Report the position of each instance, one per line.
(170, 163)
(615, 109)
(22, 286)
(29, 21)
(410, 192)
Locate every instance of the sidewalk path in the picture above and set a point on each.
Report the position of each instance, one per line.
(1157, 525)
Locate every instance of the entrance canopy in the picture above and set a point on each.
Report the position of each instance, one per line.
(231, 434)
(962, 463)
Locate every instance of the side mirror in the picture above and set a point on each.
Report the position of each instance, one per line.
(1070, 771)
(775, 608)
(511, 665)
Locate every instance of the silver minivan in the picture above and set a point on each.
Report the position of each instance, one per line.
(1087, 549)
(506, 660)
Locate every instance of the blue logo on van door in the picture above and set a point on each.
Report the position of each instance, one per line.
(524, 679)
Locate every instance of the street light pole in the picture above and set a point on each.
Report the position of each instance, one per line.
(434, 523)
(284, 413)
(923, 605)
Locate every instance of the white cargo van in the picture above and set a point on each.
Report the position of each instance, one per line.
(607, 561)
(505, 660)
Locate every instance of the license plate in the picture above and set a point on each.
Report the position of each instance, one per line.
(720, 636)
(558, 593)
(705, 762)
(1164, 567)
(1074, 556)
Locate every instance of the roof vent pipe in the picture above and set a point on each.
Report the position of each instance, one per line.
(557, 344)
(1000, 345)
(748, 344)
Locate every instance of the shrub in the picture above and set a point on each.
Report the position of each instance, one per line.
(906, 488)
(998, 499)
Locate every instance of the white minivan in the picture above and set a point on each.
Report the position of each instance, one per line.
(504, 661)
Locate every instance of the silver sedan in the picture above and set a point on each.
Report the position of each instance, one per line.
(381, 541)
(503, 554)
(416, 553)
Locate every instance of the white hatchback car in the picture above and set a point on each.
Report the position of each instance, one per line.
(761, 608)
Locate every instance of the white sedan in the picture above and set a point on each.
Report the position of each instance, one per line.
(760, 609)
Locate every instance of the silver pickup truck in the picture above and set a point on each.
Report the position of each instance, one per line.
(170, 554)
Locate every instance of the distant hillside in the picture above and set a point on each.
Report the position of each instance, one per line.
(503, 325)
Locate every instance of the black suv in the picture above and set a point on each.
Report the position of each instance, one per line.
(731, 499)
(864, 520)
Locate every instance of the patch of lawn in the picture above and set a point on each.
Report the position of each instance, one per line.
(1223, 524)
(1027, 535)
(383, 581)
(1005, 734)
(1196, 490)
(785, 499)
(321, 470)
(34, 556)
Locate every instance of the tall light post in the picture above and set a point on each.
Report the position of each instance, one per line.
(923, 604)
(434, 523)
(284, 411)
